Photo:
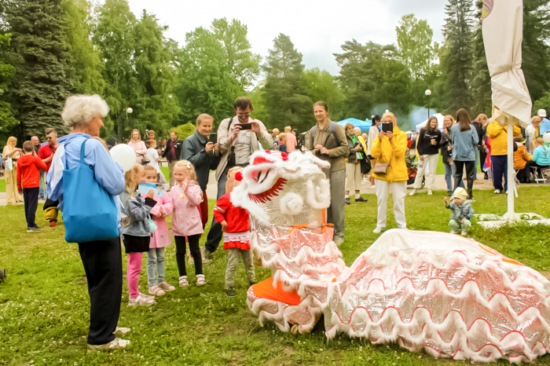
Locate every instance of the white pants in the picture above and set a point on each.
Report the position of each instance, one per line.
(399, 191)
(431, 161)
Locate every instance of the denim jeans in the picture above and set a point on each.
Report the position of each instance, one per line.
(155, 262)
(450, 172)
(42, 185)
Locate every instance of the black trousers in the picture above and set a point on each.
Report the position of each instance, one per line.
(482, 158)
(195, 252)
(524, 174)
(215, 235)
(30, 195)
(470, 170)
(102, 262)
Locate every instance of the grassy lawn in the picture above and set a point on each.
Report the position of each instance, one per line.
(44, 303)
(2, 185)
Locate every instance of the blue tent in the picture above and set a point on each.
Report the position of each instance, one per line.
(363, 125)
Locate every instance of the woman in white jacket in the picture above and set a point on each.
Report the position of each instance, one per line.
(373, 134)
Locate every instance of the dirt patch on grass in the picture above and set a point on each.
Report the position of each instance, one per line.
(546, 274)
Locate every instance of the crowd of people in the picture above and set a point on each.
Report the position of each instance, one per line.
(384, 152)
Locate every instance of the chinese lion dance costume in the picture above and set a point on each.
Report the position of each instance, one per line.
(449, 295)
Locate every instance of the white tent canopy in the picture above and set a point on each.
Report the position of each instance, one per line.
(440, 119)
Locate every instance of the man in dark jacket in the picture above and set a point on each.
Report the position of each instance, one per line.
(203, 154)
(172, 154)
(479, 124)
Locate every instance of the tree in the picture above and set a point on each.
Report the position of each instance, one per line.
(416, 49)
(155, 106)
(457, 63)
(205, 84)
(370, 75)
(7, 71)
(321, 85)
(41, 59)
(243, 65)
(285, 97)
(86, 67)
(481, 79)
(115, 40)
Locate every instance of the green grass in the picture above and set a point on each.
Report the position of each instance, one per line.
(44, 302)
(166, 173)
(441, 166)
(2, 185)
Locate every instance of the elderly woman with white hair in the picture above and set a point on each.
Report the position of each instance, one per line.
(101, 259)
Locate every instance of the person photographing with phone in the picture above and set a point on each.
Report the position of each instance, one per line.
(238, 138)
(201, 151)
(390, 171)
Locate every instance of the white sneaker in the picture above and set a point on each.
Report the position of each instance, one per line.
(413, 192)
(378, 230)
(121, 330)
(116, 343)
(183, 281)
(146, 296)
(338, 241)
(430, 192)
(497, 191)
(156, 290)
(201, 281)
(166, 286)
(140, 300)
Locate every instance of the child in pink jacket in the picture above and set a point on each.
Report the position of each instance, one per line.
(186, 219)
(159, 240)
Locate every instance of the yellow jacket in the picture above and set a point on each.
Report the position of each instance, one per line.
(362, 141)
(393, 152)
(499, 138)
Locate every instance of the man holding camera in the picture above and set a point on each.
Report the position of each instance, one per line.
(200, 150)
(238, 138)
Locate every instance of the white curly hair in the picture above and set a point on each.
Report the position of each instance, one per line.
(80, 109)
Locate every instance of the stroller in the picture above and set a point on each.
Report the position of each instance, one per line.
(412, 170)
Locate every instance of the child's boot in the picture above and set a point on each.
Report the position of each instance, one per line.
(230, 291)
(183, 281)
(201, 281)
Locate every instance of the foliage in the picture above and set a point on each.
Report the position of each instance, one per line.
(86, 66)
(42, 62)
(370, 75)
(457, 62)
(205, 84)
(286, 101)
(44, 304)
(481, 79)
(243, 65)
(184, 131)
(114, 38)
(321, 85)
(257, 97)
(7, 71)
(155, 107)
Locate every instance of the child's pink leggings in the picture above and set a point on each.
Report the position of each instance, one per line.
(132, 276)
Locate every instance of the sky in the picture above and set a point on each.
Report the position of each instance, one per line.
(317, 28)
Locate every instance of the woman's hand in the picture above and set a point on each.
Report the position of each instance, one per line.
(102, 142)
(433, 142)
(381, 134)
(358, 148)
(389, 134)
(209, 146)
(324, 150)
(318, 147)
(151, 194)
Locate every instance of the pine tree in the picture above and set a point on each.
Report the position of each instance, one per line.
(481, 80)
(7, 71)
(457, 63)
(285, 97)
(42, 63)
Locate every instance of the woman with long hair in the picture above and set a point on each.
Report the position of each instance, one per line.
(446, 153)
(427, 145)
(10, 151)
(374, 130)
(138, 146)
(464, 138)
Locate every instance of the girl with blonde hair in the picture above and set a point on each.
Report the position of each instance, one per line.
(138, 146)
(186, 219)
(10, 151)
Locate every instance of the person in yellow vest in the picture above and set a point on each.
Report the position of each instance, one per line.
(499, 151)
(390, 147)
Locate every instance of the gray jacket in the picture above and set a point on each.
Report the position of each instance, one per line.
(464, 143)
(137, 209)
(193, 151)
(460, 212)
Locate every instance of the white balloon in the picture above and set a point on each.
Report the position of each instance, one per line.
(547, 138)
(124, 155)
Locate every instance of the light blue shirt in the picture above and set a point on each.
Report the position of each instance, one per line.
(541, 156)
(464, 143)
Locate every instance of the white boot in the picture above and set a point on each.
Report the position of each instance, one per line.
(413, 192)
(429, 192)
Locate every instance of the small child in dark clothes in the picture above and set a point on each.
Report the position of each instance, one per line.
(28, 183)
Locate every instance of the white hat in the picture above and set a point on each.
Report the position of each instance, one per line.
(460, 193)
(542, 113)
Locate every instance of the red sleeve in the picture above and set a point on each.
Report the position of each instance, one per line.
(221, 208)
(41, 153)
(40, 164)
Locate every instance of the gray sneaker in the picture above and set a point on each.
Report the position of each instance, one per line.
(116, 343)
(34, 229)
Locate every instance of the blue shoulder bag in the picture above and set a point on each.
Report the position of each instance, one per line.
(89, 212)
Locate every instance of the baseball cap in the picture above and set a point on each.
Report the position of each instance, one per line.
(542, 112)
